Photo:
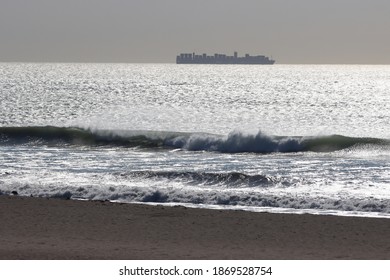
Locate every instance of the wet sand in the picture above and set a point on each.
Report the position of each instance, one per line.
(41, 228)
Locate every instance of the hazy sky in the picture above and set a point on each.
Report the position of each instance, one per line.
(292, 31)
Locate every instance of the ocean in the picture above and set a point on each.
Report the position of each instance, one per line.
(281, 138)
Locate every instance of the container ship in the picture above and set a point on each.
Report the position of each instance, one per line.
(192, 58)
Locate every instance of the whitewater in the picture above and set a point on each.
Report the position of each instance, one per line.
(281, 138)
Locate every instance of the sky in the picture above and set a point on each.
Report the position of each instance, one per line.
(291, 31)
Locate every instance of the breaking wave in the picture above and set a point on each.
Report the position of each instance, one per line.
(230, 179)
(198, 197)
(234, 142)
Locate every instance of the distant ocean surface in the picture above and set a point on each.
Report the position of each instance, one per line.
(282, 138)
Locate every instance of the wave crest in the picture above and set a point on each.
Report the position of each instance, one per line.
(234, 142)
(237, 142)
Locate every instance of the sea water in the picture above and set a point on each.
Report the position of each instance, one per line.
(277, 138)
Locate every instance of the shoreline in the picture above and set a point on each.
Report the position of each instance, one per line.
(270, 210)
(49, 228)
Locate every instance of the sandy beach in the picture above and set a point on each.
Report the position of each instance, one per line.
(41, 228)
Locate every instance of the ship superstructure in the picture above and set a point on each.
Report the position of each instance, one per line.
(193, 58)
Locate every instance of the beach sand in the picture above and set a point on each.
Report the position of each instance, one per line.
(41, 228)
